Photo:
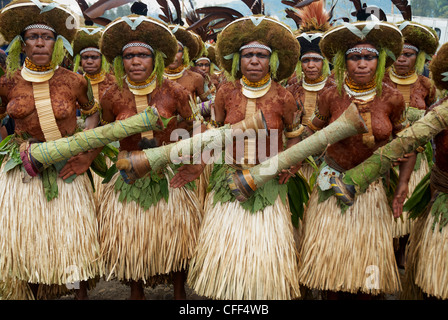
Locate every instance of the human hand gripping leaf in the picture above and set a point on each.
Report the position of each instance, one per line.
(77, 165)
(185, 174)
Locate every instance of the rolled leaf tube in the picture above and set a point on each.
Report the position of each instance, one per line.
(243, 183)
(420, 133)
(37, 156)
(136, 164)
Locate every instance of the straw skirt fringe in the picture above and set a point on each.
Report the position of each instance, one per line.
(138, 244)
(202, 184)
(45, 242)
(410, 290)
(242, 255)
(98, 183)
(428, 258)
(402, 226)
(351, 251)
(307, 171)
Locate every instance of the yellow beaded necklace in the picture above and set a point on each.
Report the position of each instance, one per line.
(139, 85)
(175, 71)
(257, 84)
(33, 67)
(360, 87)
(96, 78)
(318, 80)
(409, 74)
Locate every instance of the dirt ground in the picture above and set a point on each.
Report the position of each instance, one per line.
(115, 290)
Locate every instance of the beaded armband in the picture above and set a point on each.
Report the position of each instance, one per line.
(192, 117)
(103, 122)
(216, 124)
(320, 117)
(92, 110)
(402, 121)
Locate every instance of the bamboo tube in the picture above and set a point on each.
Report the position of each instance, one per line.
(38, 156)
(358, 179)
(136, 164)
(244, 182)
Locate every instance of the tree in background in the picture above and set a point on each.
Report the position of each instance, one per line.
(430, 8)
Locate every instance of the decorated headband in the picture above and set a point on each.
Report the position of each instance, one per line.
(90, 49)
(359, 50)
(203, 58)
(408, 46)
(257, 46)
(137, 44)
(39, 26)
(312, 55)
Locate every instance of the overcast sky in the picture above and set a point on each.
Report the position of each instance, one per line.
(152, 4)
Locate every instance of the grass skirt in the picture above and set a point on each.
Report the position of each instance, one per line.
(202, 184)
(307, 170)
(98, 183)
(43, 242)
(427, 260)
(242, 255)
(138, 244)
(351, 251)
(402, 226)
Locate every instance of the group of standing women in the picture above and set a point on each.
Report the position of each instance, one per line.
(184, 224)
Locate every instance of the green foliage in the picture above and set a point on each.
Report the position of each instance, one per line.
(298, 195)
(420, 62)
(274, 63)
(235, 66)
(58, 52)
(186, 56)
(380, 70)
(13, 58)
(430, 8)
(339, 69)
(420, 198)
(147, 191)
(10, 148)
(76, 63)
(439, 211)
(119, 70)
(49, 180)
(159, 67)
(262, 197)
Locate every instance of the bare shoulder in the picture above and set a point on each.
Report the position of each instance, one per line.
(425, 81)
(173, 88)
(391, 94)
(68, 74)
